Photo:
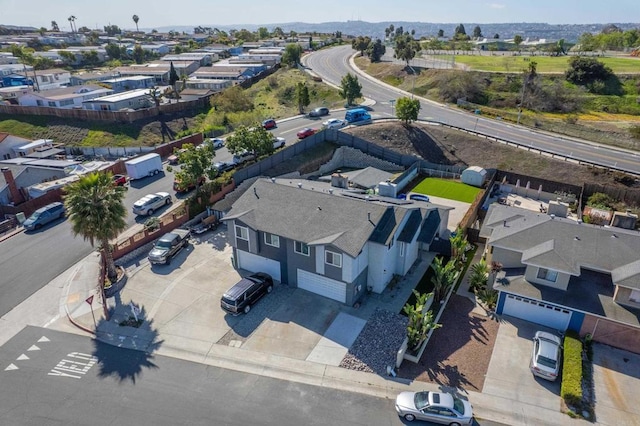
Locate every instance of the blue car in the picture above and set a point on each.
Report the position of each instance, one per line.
(44, 215)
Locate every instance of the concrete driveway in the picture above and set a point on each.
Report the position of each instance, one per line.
(508, 375)
(616, 380)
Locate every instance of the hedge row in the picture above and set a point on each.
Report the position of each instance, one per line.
(571, 390)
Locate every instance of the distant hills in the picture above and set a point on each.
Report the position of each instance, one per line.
(569, 32)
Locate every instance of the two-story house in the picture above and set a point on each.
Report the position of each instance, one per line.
(565, 274)
(333, 242)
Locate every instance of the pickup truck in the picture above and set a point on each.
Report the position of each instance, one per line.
(168, 246)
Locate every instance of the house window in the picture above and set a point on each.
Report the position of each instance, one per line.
(332, 258)
(401, 249)
(301, 248)
(271, 240)
(547, 275)
(39, 103)
(242, 233)
(635, 296)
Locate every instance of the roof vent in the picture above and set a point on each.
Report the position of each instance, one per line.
(614, 236)
(273, 180)
(330, 190)
(367, 198)
(553, 216)
(299, 184)
(579, 221)
(319, 208)
(504, 223)
(576, 238)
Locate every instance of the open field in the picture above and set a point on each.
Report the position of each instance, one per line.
(448, 189)
(545, 64)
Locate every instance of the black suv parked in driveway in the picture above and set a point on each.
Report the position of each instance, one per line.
(246, 292)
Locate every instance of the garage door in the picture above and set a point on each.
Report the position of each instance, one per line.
(323, 286)
(535, 311)
(255, 263)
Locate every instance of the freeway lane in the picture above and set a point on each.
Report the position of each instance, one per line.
(333, 64)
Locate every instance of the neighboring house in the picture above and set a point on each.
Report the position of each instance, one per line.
(91, 77)
(15, 80)
(247, 70)
(24, 176)
(160, 75)
(66, 97)
(182, 67)
(122, 84)
(160, 49)
(77, 51)
(269, 60)
(206, 83)
(8, 145)
(8, 58)
(329, 241)
(52, 78)
(12, 94)
(9, 69)
(204, 59)
(566, 274)
(133, 99)
(209, 73)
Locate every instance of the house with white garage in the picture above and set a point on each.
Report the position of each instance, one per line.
(335, 242)
(565, 274)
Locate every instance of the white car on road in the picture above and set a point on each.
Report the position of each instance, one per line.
(146, 205)
(334, 123)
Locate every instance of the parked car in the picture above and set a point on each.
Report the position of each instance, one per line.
(222, 166)
(546, 355)
(217, 143)
(334, 123)
(174, 158)
(44, 215)
(269, 124)
(246, 292)
(436, 407)
(119, 180)
(319, 112)
(207, 224)
(306, 132)
(241, 157)
(168, 246)
(146, 205)
(279, 142)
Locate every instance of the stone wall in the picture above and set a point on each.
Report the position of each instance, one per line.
(345, 157)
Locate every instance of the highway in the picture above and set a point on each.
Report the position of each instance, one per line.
(333, 64)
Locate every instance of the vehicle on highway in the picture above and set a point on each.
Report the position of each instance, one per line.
(269, 124)
(44, 215)
(221, 167)
(279, 142)
(306, 132)
(357, 115)
(319, 112)
(437, 407)
(546, 355)
(168, 246)
(334, 123)
(216, 142)
(146, 205)
(119, 180)
(246, 292)
(242, 156)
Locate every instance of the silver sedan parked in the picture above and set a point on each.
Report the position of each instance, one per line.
(546, 355)
(436, 407)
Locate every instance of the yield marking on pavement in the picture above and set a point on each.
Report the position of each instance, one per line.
(74, 368)
(33, 348)
(11, 367)
(22, 357)
(43, 339)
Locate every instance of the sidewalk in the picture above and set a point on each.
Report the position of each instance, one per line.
(81, 284)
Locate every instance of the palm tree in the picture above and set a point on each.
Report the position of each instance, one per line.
(136, 19)
(96, 211)
(72, 20)
(444, 276)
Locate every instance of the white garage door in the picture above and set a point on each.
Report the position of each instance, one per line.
(323, 286)
(255, 263)
(535, 311)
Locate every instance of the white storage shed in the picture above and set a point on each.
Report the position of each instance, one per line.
(474, 176)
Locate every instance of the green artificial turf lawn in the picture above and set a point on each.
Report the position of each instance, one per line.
(448, 189)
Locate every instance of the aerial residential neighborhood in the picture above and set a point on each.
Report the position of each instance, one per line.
(319, 223)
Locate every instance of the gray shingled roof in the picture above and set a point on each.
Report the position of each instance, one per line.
(430, 227)
(315, 217)
(564, 244)
(411, 227)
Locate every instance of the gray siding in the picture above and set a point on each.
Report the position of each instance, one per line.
(353, 294)
(275, 253)
(298, 261)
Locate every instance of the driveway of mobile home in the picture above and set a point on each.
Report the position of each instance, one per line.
(445, 188)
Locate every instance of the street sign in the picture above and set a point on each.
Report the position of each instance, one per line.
(89, 300)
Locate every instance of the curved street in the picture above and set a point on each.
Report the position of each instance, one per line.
(333, 64)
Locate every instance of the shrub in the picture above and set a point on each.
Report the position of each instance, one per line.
(571, 388)
(600, 200)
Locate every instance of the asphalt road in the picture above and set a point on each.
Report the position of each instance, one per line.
(332, 64)
(73, 380)
(30, 260)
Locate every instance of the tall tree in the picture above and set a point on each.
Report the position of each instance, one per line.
(350, 88)
(292, 54)
(443, 278)
(376, 50)
(255, 139)
(440, 33)
(138, 54)
(302, 96)
(406, 48)
(517, 40)
(459, 33)
(96, 211)
(173, 79)
(195, 163)
(72, 20)
(477, 32)
(136, 19)
(407, 110)
(112, 50)
(263, 33)
(54, 26)
(277, 32)
(361, 43)
(496, 36)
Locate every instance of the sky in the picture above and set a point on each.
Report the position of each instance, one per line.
(163, 13)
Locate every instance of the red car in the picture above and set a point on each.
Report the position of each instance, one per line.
(119, 180)
(305, 132)
(269, 124)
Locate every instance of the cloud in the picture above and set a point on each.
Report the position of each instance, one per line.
(496, 6)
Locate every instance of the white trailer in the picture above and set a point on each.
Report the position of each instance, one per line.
(146, 165)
